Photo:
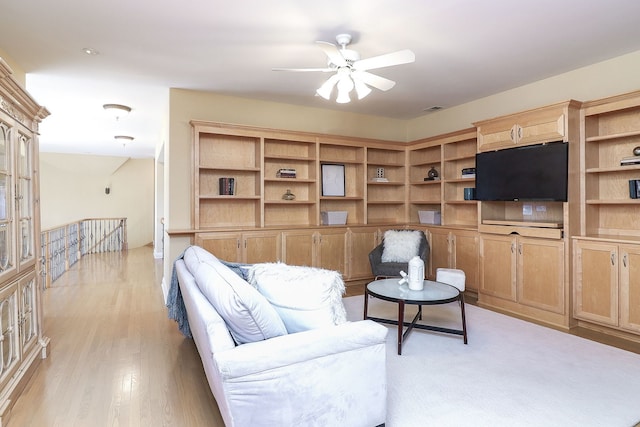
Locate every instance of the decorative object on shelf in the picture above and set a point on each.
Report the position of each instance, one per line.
(636, 151)
(430, 217)
(631, 160)
(333, 180)
(289, 195)
(432, 175)
(634, 188)
(333, 217)
(379, 176)
(470, 193)
(227, 186)
(286, 173)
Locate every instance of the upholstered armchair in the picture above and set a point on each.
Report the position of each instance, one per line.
(397, 248)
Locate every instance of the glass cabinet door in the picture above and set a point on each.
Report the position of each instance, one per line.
(7, 260)
(8, 333)
(24, 204)
(28, 320)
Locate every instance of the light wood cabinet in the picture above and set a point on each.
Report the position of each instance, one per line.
(22, 340)
(454, 248)
(362, 240)
(245, 247)
(546, 124)
(531, 273)
(325, 248)
(607, 283)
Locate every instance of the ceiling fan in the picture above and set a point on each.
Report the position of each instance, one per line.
(351, 71)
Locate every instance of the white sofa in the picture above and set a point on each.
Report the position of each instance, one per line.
(331, 375)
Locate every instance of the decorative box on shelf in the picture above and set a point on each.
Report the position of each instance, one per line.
(429, 217)
(333, 217)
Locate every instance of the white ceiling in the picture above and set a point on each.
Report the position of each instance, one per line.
(464, 50)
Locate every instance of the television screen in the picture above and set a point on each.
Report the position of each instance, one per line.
(533, 172)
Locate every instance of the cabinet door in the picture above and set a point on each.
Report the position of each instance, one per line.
(630, 287)
(361, 242)
(7, 221)
(465, 257)
(225, 246)
(497, 134)
(28, 314)
(498, 266)
(9, 350)
(24, 201)
(298, 247)
(331, 250)
(261, 246)
(540, 126)
(440, 251)
(541, 274)
(596, 282)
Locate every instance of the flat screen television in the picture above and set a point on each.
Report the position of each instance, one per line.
(533, 172)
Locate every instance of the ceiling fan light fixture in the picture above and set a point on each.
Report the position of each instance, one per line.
(361, 89)
(345, 85)
(325, 90)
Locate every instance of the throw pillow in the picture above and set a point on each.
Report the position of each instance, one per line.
(304, 297)
(247, 313)
(400, 245)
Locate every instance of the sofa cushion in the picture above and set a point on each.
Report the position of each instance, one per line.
(246, 312)
(304, 297)
(400, 245)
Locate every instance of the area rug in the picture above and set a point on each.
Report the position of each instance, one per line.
(511, 373)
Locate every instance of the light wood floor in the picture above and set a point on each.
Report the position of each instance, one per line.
(116, 359)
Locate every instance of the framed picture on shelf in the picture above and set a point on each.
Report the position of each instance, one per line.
(333, 179)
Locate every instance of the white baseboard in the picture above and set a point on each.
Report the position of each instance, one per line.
(158, 255)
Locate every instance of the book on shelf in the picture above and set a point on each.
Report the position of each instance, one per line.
(286, 173)
(468, 173)
(227, 186)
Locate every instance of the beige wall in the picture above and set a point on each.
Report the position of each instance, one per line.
(612, 77)
(72, 187)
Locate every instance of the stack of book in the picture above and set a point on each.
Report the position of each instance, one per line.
(286, 173)
(469, 172)
(227, 186)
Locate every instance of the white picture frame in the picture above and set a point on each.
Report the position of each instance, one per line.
(333, 180)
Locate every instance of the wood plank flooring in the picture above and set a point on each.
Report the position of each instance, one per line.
(116, 359)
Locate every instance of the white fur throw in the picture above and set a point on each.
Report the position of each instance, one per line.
(400, 245)
(304, 297)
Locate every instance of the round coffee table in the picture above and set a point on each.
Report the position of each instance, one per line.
(432, 293)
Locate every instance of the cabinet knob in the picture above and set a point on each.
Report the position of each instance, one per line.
(624, 260)
(613, 258)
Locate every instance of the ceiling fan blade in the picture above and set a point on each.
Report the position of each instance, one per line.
(373, 80)
(333, 53)
(387, 60)
(324, 70)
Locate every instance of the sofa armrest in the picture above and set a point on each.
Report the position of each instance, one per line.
(289, 349)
